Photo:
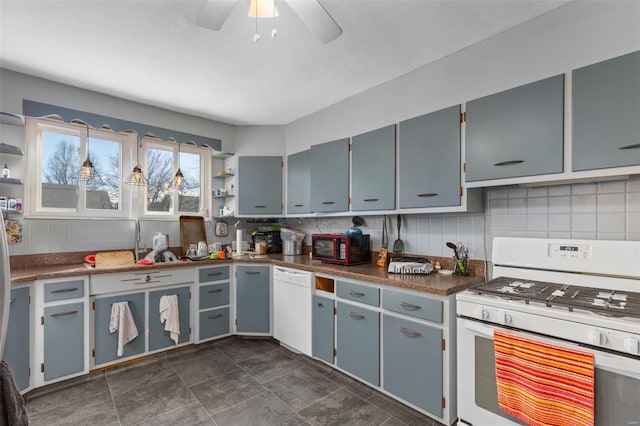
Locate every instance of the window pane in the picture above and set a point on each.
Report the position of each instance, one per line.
(60, 163)
(104, 192)
(160, 175)
(189, 193)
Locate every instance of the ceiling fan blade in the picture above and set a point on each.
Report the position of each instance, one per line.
(316, 18)
(214, 13)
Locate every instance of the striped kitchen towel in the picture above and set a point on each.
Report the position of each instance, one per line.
(544, 384)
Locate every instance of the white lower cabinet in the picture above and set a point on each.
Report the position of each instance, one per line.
(62, 331)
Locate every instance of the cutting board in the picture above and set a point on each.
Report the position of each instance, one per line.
(114, 258)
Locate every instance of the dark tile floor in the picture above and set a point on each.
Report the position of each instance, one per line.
(235, 381)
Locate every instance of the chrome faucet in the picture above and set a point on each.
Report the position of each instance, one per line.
(137, 250)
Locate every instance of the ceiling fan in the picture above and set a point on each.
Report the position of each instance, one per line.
(311, 12)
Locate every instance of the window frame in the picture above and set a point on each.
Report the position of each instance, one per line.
(205, 178)
(33, 179)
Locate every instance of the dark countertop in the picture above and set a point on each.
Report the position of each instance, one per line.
(433, 283)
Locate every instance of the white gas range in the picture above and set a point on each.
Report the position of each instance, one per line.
(573, 293)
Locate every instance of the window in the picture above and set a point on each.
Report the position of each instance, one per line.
(56, 150)
(161, 162)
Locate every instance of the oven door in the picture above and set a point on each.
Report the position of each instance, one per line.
(617, 380)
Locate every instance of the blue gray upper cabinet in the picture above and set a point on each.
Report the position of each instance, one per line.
(518, 132)
(259, 185)
(299, 182)
(373, 162)
(606, 114)
(330, 176)
(429, 160)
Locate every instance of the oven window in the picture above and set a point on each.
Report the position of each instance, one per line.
(617, 396)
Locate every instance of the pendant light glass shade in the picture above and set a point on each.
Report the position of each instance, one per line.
(178, 179)
(263, 9)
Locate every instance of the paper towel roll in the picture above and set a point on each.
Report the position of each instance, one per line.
(239, 241)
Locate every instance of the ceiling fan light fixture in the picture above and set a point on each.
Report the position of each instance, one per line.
(263, 9)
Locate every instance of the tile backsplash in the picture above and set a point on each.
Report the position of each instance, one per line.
(604, 210)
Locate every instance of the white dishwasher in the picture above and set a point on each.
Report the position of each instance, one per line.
(292, 308)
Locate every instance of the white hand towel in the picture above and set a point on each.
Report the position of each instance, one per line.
(170, 316)
(122, 322)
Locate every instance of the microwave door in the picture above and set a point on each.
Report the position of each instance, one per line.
(324, 249)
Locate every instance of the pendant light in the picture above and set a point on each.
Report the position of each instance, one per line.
(137, 177)
(87, 172)
(263, 9)
(178, 179)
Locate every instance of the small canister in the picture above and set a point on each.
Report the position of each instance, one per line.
(11, 203)
(19, 204)
(3, 202)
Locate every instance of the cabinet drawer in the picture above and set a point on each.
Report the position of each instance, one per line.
(214, 295)
(150, 278)
(359, 293)
(412, 304)
(214, 323)
(63, 290)
(213, 273)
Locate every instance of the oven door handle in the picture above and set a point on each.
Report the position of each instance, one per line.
(479, 328)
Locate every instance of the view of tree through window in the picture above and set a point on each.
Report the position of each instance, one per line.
(60, 164)
(160, 175)
(189, 195)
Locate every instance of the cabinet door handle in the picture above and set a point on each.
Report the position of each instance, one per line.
(370, 200)
(252, 272)
(62, 314)
(214, 274)
(427, 194)
(318, 304)
(260, 207)
(356, 293)
(328, 202)
(13, 299)
(214, 316)
(64, 290)
(215, 290)
(509, 163)
(633, 146)
(411, 333)
(356, 316)
(298, 205)
(410, 306)
(148, 279)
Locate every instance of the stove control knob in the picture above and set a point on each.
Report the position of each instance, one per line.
(504, 318)
(597, 337)
(631, 345)
(482, 313)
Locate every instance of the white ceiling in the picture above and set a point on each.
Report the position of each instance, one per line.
(152, 51)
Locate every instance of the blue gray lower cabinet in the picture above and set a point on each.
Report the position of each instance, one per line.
(252, 299)
(322, 326)
(105, 342)
(214, 322)
(63, 340)
(16, 350)
(158, 337)
(358, 343)
(412, 362)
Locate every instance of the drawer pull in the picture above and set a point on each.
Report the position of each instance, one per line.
(427, 194)
(64, 290)
(356, 316)
(298, 205)
(13, 299)
(260, 207)
(328, 202)
(356, 293)
(62, 314)
(509, 163)
(370, 200)
(215, 290)
(214, 274)
(148, 279)
(410, 306)
(633, 146)
(252, 272)
(214, 316)
(410, 332)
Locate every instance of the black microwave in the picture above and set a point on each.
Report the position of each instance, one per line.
(340, 248)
